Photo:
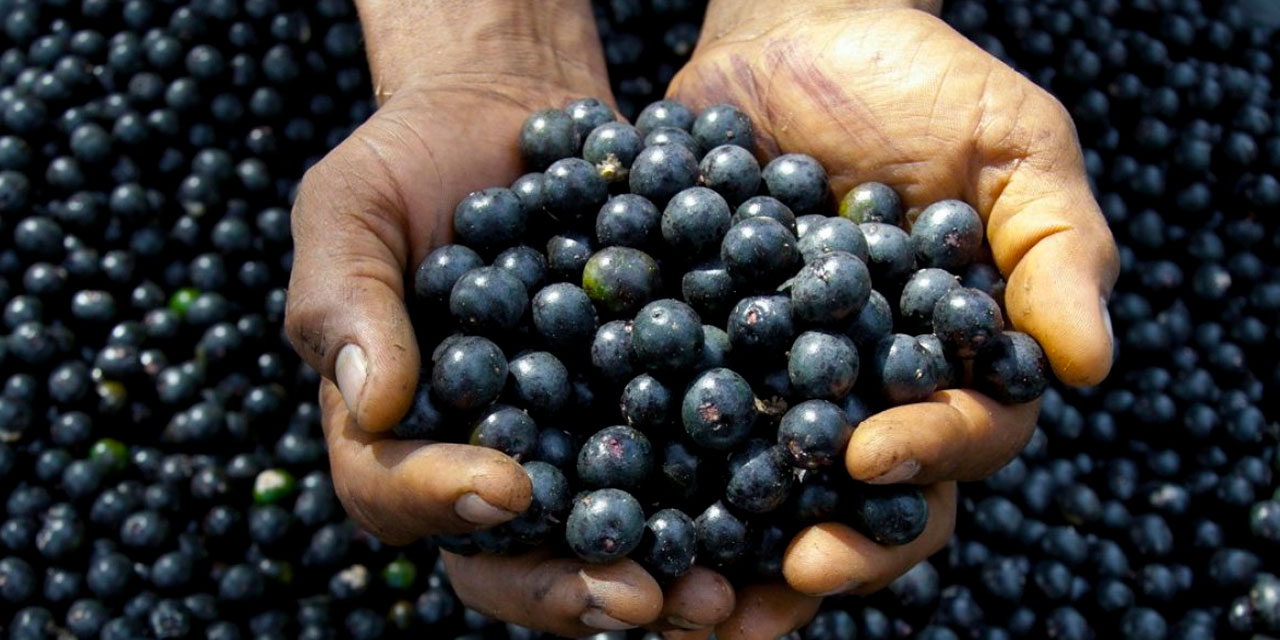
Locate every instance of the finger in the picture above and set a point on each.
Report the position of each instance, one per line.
(766, 612)
(696, 601)
(957, 434)
(346, 315)
(1049, 238)
(559, 595)
(402, 490)
(831, 558)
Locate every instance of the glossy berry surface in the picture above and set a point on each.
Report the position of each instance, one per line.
(604, 525)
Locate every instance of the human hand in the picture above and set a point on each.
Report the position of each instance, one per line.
(883, 91)
(375, 206)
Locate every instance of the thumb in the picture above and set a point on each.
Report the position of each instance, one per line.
(346, 315)
(1050, 240)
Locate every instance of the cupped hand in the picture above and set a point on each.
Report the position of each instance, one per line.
(366, 214)
(882, 91)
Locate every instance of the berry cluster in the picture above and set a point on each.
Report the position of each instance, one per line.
(698, 339)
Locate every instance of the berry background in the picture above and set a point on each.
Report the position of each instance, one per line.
(161, 463)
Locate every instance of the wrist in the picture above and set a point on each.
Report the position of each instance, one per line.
(534, 42)
(724, 16)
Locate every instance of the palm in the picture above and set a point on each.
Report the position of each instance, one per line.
(437, 144)
(897, 96)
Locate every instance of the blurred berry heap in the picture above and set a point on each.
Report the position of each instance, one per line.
(161, 466)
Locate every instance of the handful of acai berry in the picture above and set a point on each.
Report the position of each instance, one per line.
(678, 344)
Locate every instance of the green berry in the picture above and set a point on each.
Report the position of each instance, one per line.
(400, 573)
(181, 300)
(272, 486)
(110, 453)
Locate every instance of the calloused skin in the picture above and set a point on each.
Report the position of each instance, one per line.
(878, 92)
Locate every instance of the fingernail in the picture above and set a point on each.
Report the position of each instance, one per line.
(844, 588)
(474, 509)
(677, 621)
(906, 470)
(598, 619)
(351, 369)
(1106, 316)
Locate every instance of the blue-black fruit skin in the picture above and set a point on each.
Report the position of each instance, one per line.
(546, 136)
(828, 235)
(441, 269)
(761, 325)
(470, 373)
(874, 322)
(621, 280)
(759, 253)
(888, 514)
(798, 180)
(1013, 370)
(722, 536)
(920, 294)
(488, 300)
(985, 278)
(722, 124)
(947, 235)
(873, 202)
(890, 255)
(567, 254)
(831, 290)
(424, 419)
(490, 219)
(611, 148)
(731, 171)
(670, 545)
(822, 365)
(768, 207)
(572, 189)
(629, 220)
(814, 434)
(563, 316)
(604, 525)
(509, 430)
(718, 409)
(558, 448)
(538, 383)
(709, 289)
(966, 321)
(611, 351)
(589, 113)
(666, 337)
(527, 264)
(668, 135)
(679, 469)
(646, 403)
(618, 456)
(695, 221)
(901, 370)
(716, 348)
(950, 369)
(528, 189)
(760, 478)
(662, 171)
(816, 499)
(550, 504)
(664, 113)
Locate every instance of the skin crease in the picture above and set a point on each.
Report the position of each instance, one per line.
(873, 90)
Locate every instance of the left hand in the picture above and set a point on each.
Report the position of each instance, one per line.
(882, 90)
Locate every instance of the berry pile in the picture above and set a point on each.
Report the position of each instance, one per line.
(698, 340)
(161, 463)
(645, 43)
